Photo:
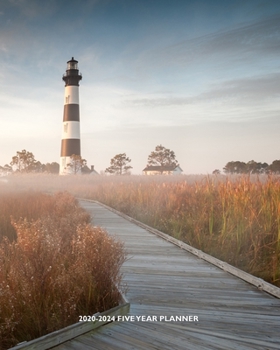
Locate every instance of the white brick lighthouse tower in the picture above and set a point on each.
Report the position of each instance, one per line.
(70, 143)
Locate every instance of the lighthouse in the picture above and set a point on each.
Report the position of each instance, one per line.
(70, 142)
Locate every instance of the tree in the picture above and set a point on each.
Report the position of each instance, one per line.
(274, 167)
(235, 167)
(250, 167)
(52, 168)
(263, 168)
(256, 168)
(162, 157)
(119, 165)
(7, 168)
(37, 167)
(76, 164)
(23, 161)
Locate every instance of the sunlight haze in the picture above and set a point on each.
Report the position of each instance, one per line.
(199, 77)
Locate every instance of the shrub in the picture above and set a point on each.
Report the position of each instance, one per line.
(58, 267)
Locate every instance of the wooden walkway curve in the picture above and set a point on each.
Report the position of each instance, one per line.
(164, 280)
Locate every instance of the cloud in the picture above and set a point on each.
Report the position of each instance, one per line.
(238, 45)
(160, 102)
(249, 90)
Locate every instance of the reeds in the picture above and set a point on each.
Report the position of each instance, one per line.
(54, 268)
(234, 218)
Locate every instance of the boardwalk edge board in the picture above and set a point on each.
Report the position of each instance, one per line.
(258, 282)
(62, 335)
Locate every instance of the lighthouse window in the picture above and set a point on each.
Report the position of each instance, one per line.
(65, 127)
(67, 98)
(72, 65)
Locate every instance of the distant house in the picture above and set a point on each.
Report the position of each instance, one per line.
(93, 171)
(162, 170)
(89, 171)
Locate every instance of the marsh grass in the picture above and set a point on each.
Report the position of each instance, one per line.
(234, 218)
(54, 266)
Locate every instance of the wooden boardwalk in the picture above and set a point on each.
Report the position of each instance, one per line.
(164, 280)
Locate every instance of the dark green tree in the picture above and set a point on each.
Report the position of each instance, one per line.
(235, 167)
(250, 167)
(274, 167)
(253, 167)
(162, 157)
(263, 168)
(119, 165)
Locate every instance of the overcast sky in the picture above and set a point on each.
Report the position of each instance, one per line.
(199, 77)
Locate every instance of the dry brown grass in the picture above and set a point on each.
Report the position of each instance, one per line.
(34, 205)
(57, 268)
(234, 218)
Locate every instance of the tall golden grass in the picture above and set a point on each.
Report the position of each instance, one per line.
(234, 218)
(54, 266)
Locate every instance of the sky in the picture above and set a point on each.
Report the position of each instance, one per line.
(200, 77)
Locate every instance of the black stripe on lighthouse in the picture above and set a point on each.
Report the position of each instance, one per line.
(70, 147)
(71, 113)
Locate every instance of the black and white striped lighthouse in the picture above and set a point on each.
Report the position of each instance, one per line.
(70, 143)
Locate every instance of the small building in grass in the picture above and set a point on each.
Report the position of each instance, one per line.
(89, 171)
(162, 170)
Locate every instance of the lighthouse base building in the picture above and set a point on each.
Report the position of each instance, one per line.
(70, 141)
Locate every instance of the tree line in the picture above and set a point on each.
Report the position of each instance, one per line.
(25, 162)
(161, 156)
(251, 167)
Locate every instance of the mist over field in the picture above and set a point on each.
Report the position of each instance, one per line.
(234, 218)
